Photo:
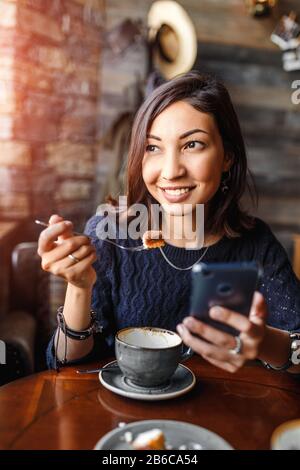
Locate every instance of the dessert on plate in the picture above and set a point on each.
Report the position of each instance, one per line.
(153, 439)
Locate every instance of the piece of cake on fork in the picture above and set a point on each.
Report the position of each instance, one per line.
(153, 239)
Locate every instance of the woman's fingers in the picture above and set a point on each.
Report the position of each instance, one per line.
(57, 243)
(249, 326)
(209, 333)
(65, 262)
(69, 246)
(259, 309)
(196, 334)
(61, 265)
(60, 268)
(50, 235)
(234, 319)
(206, 349)
(78, 271)
(54, 219)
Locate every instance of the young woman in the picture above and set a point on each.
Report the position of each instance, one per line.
(186, 149)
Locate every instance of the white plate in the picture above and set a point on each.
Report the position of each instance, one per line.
(177, 434)
(180, 383)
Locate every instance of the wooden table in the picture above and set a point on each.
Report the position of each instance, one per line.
(71, 411)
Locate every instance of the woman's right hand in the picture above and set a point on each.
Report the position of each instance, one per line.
(56, 243)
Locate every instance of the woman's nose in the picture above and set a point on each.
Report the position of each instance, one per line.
(172, 167)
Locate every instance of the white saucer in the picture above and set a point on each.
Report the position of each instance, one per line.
(180, 383)
(178, 434)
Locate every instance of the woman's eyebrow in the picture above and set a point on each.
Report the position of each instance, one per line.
(186, 134)
(193, 131)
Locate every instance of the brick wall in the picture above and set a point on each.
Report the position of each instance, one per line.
(49, 83)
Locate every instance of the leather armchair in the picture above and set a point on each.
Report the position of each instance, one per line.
(27, 327)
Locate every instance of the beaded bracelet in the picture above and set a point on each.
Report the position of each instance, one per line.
(73, 334)
(294, 351)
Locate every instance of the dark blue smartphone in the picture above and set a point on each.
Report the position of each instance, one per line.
(230, 285)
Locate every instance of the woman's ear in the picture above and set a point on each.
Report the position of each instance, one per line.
(227, 162)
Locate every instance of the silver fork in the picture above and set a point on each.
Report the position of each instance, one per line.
(44, 224)
(128, 248)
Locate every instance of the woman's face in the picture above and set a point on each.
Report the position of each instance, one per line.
(184, 158)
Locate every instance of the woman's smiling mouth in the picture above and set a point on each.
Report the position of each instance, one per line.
(176, 194)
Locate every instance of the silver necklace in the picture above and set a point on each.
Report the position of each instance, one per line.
(182, 269)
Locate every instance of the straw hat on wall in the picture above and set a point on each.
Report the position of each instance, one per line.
(173, 38)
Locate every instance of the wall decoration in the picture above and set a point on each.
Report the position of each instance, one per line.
(286, 36)
(173, 38)
(260, 7)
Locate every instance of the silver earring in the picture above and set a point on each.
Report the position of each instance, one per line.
(224, 184)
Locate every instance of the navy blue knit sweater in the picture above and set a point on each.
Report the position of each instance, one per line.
(142, 289)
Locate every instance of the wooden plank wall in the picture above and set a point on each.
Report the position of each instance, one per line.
(237, 48)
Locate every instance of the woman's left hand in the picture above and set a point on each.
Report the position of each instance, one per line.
(215, 345)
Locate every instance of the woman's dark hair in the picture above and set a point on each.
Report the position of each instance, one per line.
(206, 94)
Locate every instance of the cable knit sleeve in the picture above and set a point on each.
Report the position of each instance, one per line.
(102, 301)
(279, 285)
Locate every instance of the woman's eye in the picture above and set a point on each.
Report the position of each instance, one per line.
(194, 144)
(151, 148)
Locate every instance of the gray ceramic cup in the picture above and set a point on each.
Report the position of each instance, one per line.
(148, 356)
